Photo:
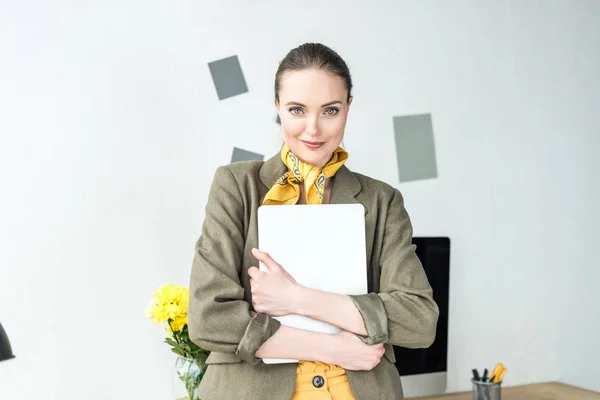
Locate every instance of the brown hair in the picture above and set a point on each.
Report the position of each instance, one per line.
(314, 56)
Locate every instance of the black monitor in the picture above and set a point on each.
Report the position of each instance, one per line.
(418, 366)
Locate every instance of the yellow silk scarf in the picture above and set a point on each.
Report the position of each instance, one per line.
(287, 188)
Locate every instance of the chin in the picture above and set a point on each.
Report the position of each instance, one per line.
(318, 158)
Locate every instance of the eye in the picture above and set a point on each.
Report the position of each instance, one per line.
(331, 111)
(294, 109)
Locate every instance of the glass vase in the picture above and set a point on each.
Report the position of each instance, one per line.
(187, 376)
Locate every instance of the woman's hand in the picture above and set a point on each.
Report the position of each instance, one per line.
(351, 353)
(274, 291)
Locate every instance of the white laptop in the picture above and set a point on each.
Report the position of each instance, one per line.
(323, 246)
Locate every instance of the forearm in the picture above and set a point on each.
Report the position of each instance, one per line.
(298, 344)
(335, 309)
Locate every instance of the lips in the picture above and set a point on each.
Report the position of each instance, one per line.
(313, 145)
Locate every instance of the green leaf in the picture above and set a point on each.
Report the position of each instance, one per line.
(177, 351)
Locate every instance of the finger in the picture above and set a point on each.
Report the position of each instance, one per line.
(266, 259)
(254, 272)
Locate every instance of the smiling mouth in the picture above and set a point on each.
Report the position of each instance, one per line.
(313, 145)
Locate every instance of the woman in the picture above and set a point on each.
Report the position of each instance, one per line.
(232, 302)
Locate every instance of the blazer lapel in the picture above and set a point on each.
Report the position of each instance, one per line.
(271, 170)
(344, 187)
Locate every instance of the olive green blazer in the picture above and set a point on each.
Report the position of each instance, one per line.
(398, 310)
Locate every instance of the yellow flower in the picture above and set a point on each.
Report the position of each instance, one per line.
(169, 304)
(177, 324)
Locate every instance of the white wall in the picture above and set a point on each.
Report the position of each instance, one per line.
(111, 131)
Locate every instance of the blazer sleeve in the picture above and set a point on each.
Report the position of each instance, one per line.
(403, 313)
(219, 319)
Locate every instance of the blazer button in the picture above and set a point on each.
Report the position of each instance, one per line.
(318, 381)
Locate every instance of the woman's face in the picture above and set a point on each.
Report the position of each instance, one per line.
(313, 111)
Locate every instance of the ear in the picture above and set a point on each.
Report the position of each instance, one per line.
(276, 102)
(350, 100)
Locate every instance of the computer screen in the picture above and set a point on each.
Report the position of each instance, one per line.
(434, 253)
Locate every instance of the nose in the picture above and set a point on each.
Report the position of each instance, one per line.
(312, 126)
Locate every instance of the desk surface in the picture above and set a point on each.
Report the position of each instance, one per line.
(541, 391)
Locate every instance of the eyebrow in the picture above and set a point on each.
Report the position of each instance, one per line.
(295, 103)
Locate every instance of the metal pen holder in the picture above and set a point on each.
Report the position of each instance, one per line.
(486, 390)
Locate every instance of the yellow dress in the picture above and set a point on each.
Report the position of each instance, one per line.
(314, 380)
